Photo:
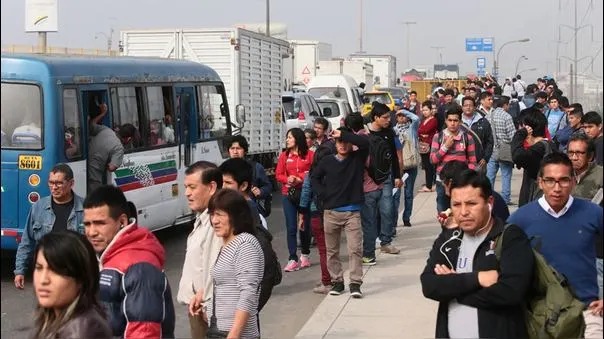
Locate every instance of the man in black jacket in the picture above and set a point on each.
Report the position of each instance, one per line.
(338, 182)
(479, 296)
(480, 129)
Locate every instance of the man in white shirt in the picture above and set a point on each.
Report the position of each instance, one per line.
(202, 180)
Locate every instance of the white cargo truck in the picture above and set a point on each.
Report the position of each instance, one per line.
(250, 65)
(384, 68)
(360, 71)
(301, 65)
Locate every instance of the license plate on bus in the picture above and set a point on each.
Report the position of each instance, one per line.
(30, 162)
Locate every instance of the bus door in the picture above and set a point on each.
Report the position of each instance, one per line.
(186, 118)
(94, 100)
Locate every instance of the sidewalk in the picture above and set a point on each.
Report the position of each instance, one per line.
(393, 305)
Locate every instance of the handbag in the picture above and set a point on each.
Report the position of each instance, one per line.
(505, 152)
(424, 147)
(293, 194)
(213, 331)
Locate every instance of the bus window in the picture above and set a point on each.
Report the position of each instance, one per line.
(127, 103)
(21, 116)
(159, 130)
(72, 125)
(212, 123)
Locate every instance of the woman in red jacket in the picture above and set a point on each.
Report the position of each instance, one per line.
(293, 164)
(427, 129)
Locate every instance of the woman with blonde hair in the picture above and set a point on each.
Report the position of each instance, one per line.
(66, 283)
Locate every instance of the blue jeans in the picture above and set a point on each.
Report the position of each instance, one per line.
(291, 224)
(409, 191)
(506, 177)
(396, 202)
(442, 200)
(376, 202)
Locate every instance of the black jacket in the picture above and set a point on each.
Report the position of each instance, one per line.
(500, 305)
(484, 144)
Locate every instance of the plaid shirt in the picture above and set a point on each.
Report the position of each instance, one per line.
(503, 126)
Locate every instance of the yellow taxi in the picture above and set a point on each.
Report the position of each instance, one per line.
(379, 96)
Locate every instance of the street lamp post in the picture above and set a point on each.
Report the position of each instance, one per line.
(408, 23)
(268, 18)
(439, 49)
(496, 61)
(109, 38)
(527, 70)
(518, 64)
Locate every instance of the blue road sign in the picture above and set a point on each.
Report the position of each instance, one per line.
(479, 44)
(481, 62)
(481, 72)
(487, 44)
(474, 45)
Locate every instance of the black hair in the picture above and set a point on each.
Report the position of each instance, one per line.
(63, 168)
(240, 169)
(300, 139)
(541, 95)
(241, 140)
(413, 92)
(592, 118)
(453, 109)
(484, 95)
(111, 197)
(450, 169)
(577, 107)
(378, 110)
(68, 254)
(209, 172)
(537, 121)
(556, 158)
(236, 207)
(354, 121)
(427, 103)
(502, 100)
(475, 179)
(468, 98)
(591, 145)
(132, 212)
(323, 122)
(450, 92)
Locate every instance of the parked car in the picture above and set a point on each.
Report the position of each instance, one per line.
(334, 110)
(299, 109)
(381, 97)
(396, 92)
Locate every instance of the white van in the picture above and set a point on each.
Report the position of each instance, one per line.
(336, 86)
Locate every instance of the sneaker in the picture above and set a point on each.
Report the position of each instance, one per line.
(291, 266)
(367, 261)
(390, 249)
(406, 223)
(322, 289)
(304, 261)
(337, 288)
(355, 291)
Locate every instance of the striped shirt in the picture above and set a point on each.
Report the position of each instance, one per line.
(237, 275)
(458, 151)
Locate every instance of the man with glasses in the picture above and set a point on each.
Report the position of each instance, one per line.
(567, 229)
(61, 210)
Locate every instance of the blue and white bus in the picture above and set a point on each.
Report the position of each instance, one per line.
(178, 108)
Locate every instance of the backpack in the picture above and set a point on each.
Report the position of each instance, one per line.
(380, 159)
(514, 112)
(410, 153)
(551, 309)
(272, 268)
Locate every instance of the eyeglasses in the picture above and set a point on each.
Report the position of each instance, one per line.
(577, 153)
(550, 182)
(56, 183)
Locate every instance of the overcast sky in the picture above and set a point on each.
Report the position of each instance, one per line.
(439, 23)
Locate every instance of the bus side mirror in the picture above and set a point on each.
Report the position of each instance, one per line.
(240, 114)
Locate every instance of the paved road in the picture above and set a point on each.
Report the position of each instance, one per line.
(290, 306)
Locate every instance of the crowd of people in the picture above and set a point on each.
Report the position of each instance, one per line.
(349, 180)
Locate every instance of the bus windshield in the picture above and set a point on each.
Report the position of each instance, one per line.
(21, 116)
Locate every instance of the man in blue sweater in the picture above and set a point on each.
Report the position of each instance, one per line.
(567, 229)
(338, 182)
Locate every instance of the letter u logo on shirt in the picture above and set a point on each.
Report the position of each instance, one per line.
(462, 263)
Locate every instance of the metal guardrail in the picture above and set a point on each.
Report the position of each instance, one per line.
(33, 49)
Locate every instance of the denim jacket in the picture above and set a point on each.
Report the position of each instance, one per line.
(307, 196)
(39, 222)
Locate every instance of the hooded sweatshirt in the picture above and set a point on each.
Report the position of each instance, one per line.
(133, 287)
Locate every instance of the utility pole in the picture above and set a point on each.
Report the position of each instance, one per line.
(42, 42)
(439, 50)
(408, 23)
(268, 18)
(360, 26)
